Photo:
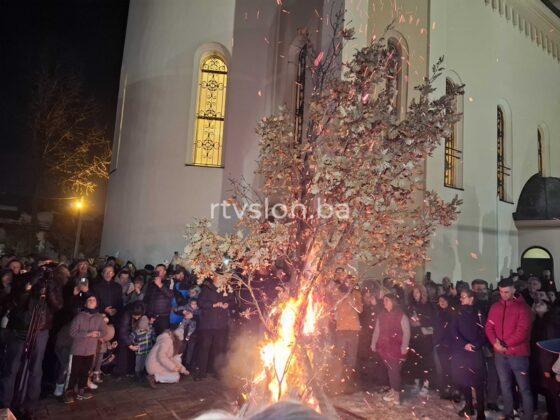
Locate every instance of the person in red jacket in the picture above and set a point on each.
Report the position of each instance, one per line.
(390, 340)
(509, 330)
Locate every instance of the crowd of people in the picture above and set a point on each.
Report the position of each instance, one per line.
(156, 324)
(466, 341)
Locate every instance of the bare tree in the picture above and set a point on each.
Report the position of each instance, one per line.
(68, 145)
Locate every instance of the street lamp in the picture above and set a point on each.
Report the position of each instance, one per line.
(79, 205)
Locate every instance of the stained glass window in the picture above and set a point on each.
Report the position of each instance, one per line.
(210, 115)
(453, 152)
(503, 170)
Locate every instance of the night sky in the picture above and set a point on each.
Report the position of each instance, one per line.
(85, 36)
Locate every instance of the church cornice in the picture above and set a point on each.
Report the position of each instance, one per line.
(533, 19)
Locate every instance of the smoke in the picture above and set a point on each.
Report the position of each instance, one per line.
(242, 359)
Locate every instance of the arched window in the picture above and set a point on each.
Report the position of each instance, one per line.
(540, 151)
(503, 152)
(397, 67)
(453, 162)
(210, 112)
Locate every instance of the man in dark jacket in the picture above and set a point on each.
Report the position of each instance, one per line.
(158, 297)
(36, 296)
(125, 356)
(213, 326)
(509, 331)
(108, 293)
(483, 303)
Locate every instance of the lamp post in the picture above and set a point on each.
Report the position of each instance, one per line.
(79, 205)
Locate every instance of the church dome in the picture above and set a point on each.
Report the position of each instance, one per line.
(539, 199)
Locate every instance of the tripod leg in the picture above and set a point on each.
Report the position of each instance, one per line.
(68, 372)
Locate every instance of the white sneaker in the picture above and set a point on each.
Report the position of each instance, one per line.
(423, 392)
(59, 390)
(91, 385)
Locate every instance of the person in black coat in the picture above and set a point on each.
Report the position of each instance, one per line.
(215, 308)
(468, 366)
(420, 363)
(126, 325)
(158, 298)
(108, 293)
(443, 343)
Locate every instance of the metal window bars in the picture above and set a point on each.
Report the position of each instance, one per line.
(452, 158)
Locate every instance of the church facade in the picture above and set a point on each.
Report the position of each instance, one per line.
(197, 75)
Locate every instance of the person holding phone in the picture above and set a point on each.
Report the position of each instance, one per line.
(467, 361)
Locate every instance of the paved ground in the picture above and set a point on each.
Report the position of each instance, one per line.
(126, 399)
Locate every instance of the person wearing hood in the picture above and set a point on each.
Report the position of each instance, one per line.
(509, 331)
(86, 329)
(164, 360)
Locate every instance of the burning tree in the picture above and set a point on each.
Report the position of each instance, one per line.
(359, 156)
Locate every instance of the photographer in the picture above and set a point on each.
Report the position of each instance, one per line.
(36, 297)
(509, 331)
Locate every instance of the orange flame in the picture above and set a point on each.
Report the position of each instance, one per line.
(282, 370)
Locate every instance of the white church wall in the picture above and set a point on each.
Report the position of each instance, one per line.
(499, 64)
(152, 193)
(410, 29)
(265, 40)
